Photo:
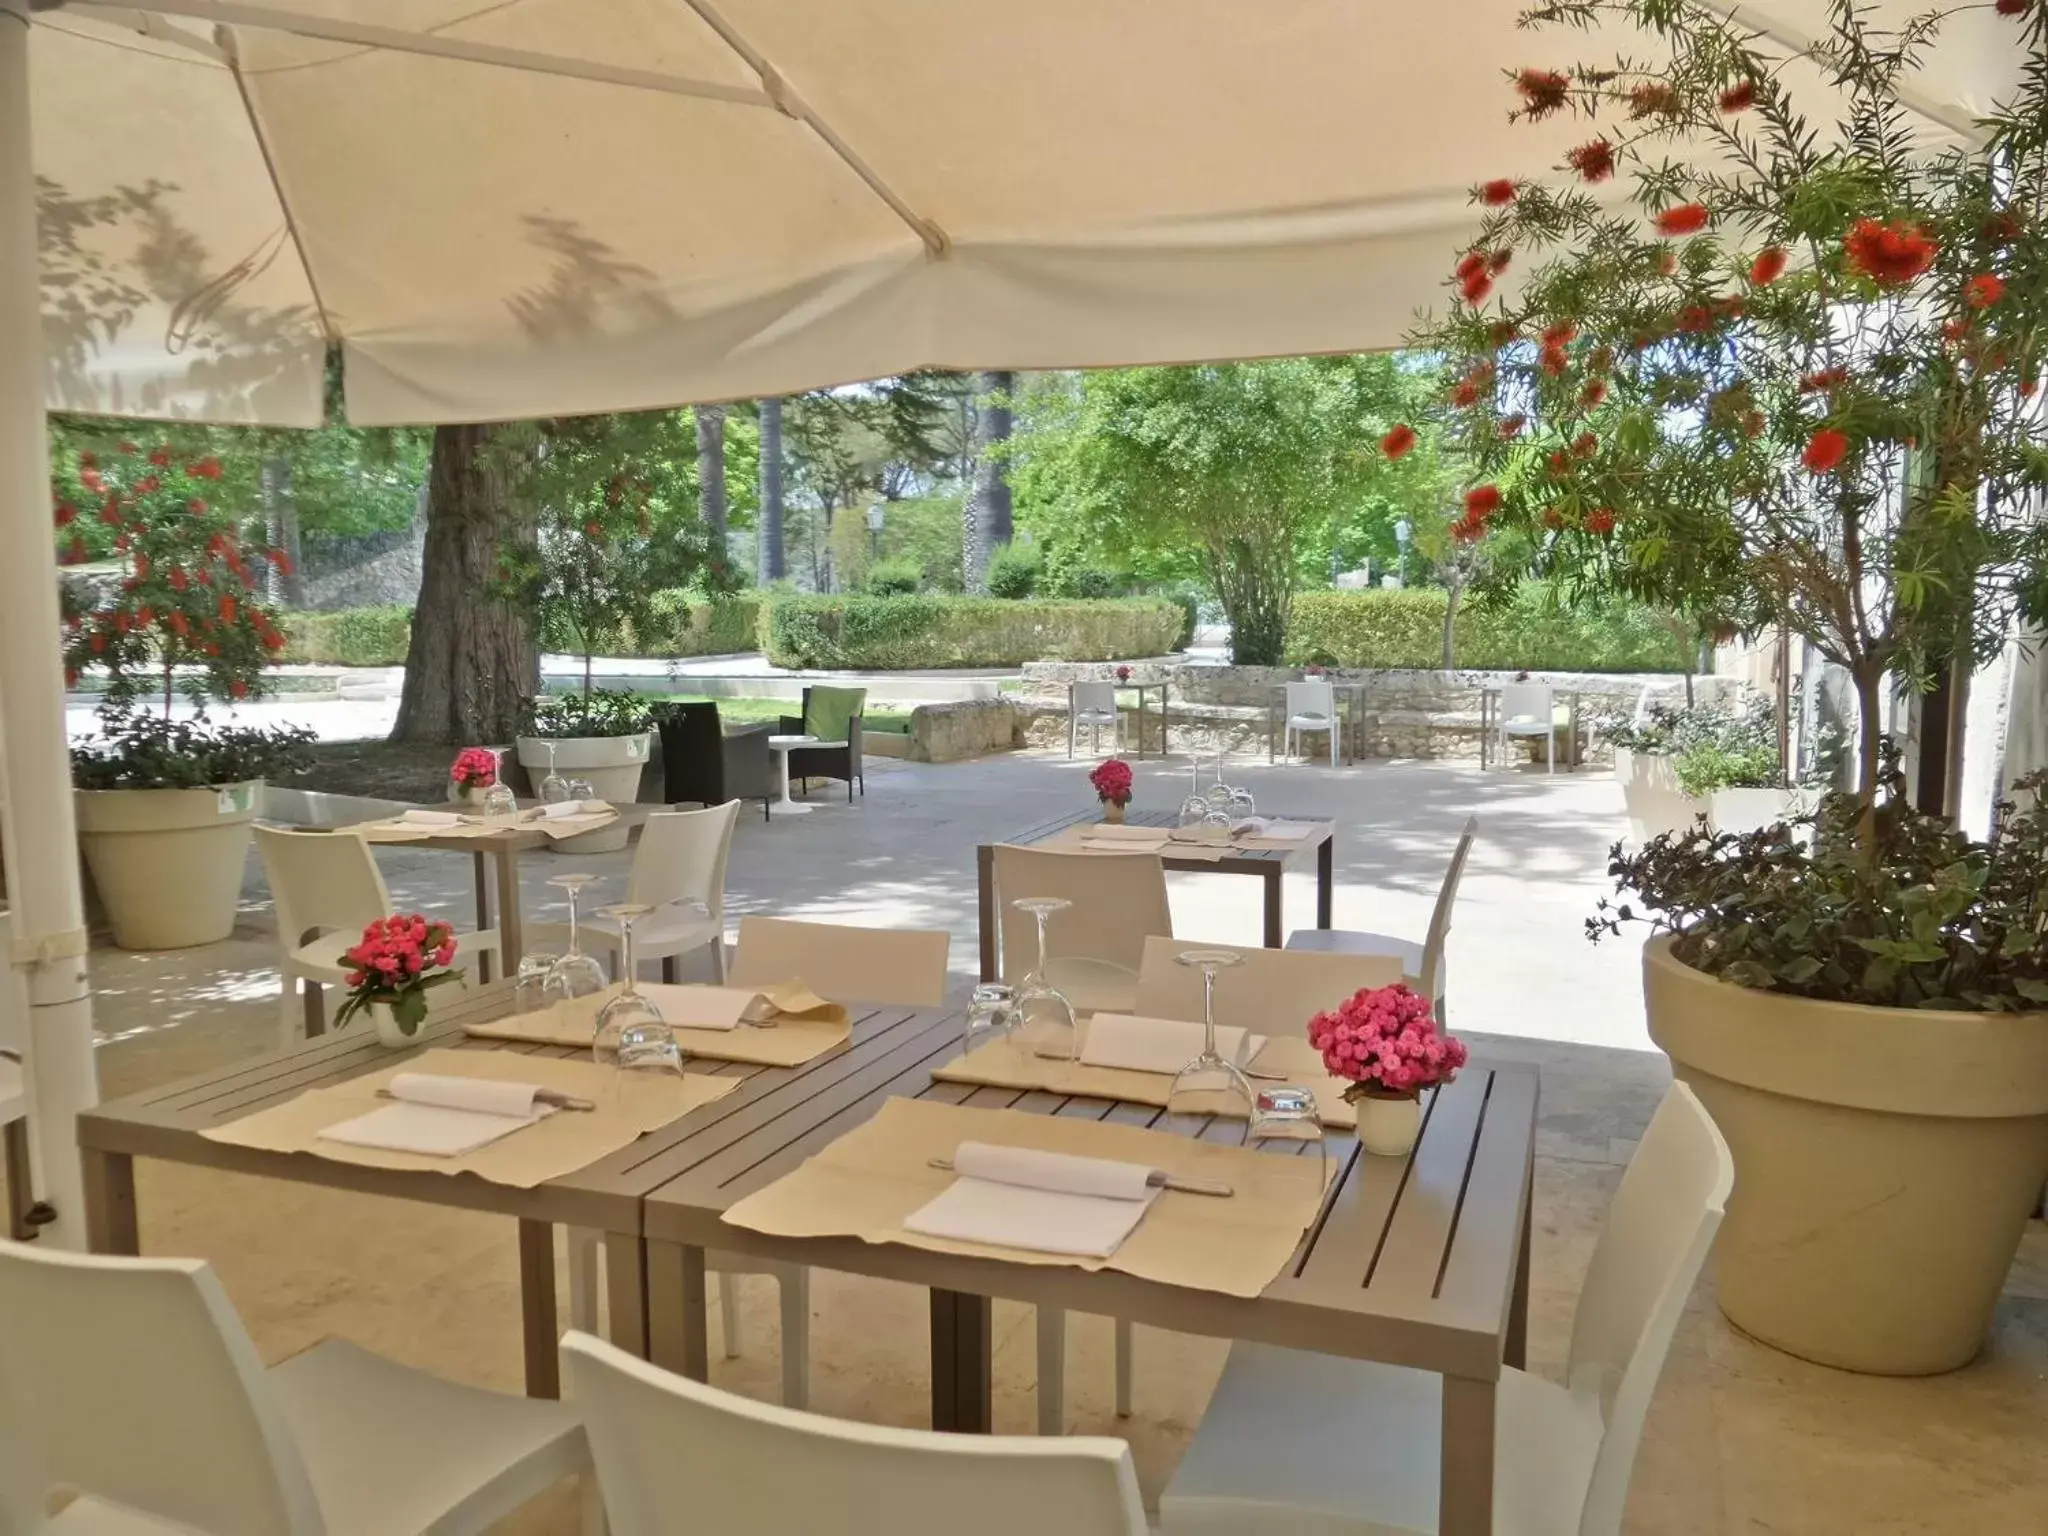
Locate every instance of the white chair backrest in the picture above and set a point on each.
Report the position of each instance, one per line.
(1440, 915)
(133, 1381)
(842, 962)
(1526, 702)
(664, 1445)
(1092, 696)
(1119, 901)
(682, 857)
(1642, 714)
(1311, 698)
(325, 880)
(1273, 991)
(1660, 1225)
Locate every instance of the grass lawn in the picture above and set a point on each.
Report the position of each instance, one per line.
(755, 711)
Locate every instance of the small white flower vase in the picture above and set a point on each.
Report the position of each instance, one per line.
(1113, 812)
(461, 794)
(1388, 1123)
(389, 1031)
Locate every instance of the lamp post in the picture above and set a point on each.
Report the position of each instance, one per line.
(875, 532)
(1402, 530)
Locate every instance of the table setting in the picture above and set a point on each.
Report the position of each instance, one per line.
(784, 1025)
(555, 819)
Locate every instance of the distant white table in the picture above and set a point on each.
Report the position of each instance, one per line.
(786, 745)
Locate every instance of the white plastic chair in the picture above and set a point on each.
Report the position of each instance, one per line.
(1305, 1442)
(1095, 944)
(131, 1382)
(1528, 709)
(1093, 705)
(326, 886)
(1311, 706)
(679, 870)
(675, 1455)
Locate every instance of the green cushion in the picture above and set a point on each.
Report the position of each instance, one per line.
(831, 710)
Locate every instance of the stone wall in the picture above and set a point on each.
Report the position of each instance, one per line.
(947, 733)
(366, 571)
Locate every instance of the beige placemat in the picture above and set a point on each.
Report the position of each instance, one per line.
(1011, 1062)
(805, 1026)
(395, 830)
(864, 1184)
(559, 827)
(1078, 840)
(629, 1105)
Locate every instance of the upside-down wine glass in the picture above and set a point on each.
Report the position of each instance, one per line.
(530, 987)
(1284, 1116)
(554, 789)
(500, 804)
(1196, 805)
(1209, 1085)
(631, 1034)
(1061, 1035)
(575, 974)
(991, 1014)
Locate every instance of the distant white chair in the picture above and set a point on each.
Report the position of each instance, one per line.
(676, 1455)
(1093, 705)
(1304, 1442)
(1311, 706)
(1528, 709)
(326, 887)
(132, 1384)
(1422, 965)
(679, 870)
(1117, 901)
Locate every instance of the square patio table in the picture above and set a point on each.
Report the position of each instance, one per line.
(1141, 689)
(1267, 864)
(1420, 1261)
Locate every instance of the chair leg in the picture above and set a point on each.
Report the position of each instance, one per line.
(288, 1013)
(20, 1192)
(1052, 1370)
(1124, 1368)
(729, 1314)
(1333, 743)
(668, 969)
(583, 1279)
(718, 958)
(795, 1282)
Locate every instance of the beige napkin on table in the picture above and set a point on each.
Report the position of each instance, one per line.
(1139, 1044)
(1044, 1202)
(418, 817)
(1271, 829)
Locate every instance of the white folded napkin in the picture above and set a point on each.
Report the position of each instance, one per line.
(1139, 1044)
(706, 1007)
(439, 1116)
(421, 818)
(556, 810)
(1272, 827)
(1045, 1202)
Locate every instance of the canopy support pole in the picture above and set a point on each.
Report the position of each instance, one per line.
(48, 919)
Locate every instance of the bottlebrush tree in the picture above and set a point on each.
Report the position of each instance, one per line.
(182, 616)
(1771, 361)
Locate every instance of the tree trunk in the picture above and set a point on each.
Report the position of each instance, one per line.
(281, 520)
(986, 521)
(472, 662)
(711, 471)
(772, 565)
(1869, 680)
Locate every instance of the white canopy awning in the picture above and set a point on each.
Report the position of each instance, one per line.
(536, 207)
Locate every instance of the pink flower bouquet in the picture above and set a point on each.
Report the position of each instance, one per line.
(1112, 781)
(474, 768)
(1123, 674)
(398, 959)
(1385, 1041)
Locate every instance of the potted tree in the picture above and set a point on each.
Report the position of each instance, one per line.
(164, 805)
(1789, 377)
(601, 736)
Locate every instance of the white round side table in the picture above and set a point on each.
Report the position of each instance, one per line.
(786, 745)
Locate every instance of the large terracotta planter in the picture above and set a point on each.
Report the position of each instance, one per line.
(612, 764)
(168, 862)
(1886, 1161)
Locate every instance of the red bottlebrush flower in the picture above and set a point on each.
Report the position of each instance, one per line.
(1653, 98)
(1476, 287)
(1824, 450)
(1501, 332)
(1560, 466)
(1594, 392)
(1585, 445)
(97, 640)
(1511, 426)
(1954, 330)
(180, 625)
(1890, 255)
(141, 566)
(1555, 361)
(282, 560)
(71, 677)
(1600, 520)
(593, 532)
(1753, 424)
(128, 447)
(211, 648)
(196, 506)
(1559, 333)
(1482, 501)
(148, 485)
(159, 456)
(1397, 442)
(1984, 290)
(1497, 263)
(2002, 228)
(178, 578)
(1667, 263)
(1470, 265)
(1683, 219)
(66, 514)
(90, 479)
(1825, 381)
(237, 689)
(1465, 394)
(2012, 7)
(1769, 264)
(1602, 358)
(1544, 91)
(1739, 97)
(205, 577)
(88, 461)
(1467, 531)
(145, 615)
(205, 469)
(1552, 518)
(1594, 160)
(1695, 318)
(74, 552)
(227, 609)
(2027, 388)
(111, 515)
(1498, 193)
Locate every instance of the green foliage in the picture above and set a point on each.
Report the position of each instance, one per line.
(1895, 910)
(349, 637)
(892, 578)
(595, 712)
(1189, 600)
(146, 751)
(1404, 628)
(1085, 581)
(904, 633)
(1013, 571)
(687, 626)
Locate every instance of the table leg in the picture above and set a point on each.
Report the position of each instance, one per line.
(539, 1322)
(109, 1202)
(1326, 881)
(625, 1291)
(510, 933)
(481, 868)
(1269, 735)
(1465, 1495)
(1165, 723)
(20, 1193)
(960, 1363)
(1516, 1351)
(676, 1303)
(1275, 872)
(985, 882)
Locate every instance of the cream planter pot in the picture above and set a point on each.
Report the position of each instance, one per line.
(1649, 788)
(612, 764)
(168, 862)
(1886, 1161)
(1751, 810)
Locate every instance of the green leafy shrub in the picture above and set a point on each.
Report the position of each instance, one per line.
(893, 577)
(145, 751)
(902, 633)
(348, 637)
(1089, 581)
(1190, 603)
(689, 626)
(600, 712)
(1405, 629)
(1013, 571)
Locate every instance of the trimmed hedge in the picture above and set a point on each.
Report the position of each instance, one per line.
(1405, 629)
(378, 637)
(903, 633)
(348, 637)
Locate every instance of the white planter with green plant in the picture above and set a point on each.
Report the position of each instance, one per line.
(600, 737)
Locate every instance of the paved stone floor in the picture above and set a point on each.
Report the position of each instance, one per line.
(1740, 1439)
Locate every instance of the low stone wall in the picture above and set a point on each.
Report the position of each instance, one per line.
(947, 733)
